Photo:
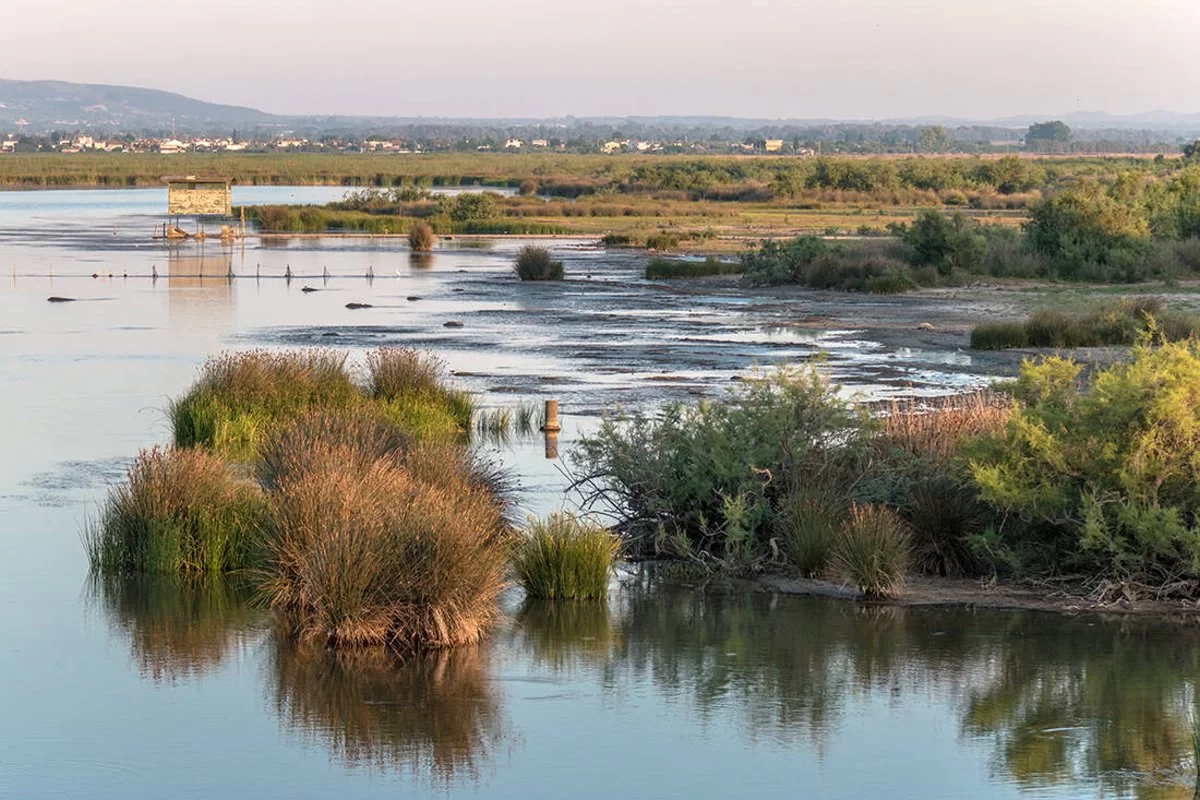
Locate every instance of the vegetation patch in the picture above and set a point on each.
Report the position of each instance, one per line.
(658, 269)
(179, 511)
(1121, 323)
(872, 551)
(536, 264)
(567, 557)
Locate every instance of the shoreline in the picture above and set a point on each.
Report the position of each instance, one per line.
(931, 592)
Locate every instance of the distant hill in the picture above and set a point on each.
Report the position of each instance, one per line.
(58, 105)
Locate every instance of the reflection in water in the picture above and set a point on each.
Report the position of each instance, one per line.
(561, 635)
(178, 628)
(432, 715)
(1065, 702)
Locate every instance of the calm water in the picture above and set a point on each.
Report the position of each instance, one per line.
(148, 689)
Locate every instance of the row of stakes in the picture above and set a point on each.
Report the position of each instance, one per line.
(287, 273)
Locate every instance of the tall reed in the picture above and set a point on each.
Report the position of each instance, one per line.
(872, 551)
(410, 387)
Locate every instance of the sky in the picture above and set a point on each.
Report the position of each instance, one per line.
(800, 59)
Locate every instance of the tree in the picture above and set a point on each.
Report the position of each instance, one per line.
(934, 139)
(1192, 151)
(1052, 135)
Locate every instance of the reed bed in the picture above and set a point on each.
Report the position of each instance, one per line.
(567, 557)
(409, 386)
(179, 511)
(671, 268)
(934, 429)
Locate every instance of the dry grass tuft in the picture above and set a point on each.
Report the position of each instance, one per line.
(406, 550)
(873, 551)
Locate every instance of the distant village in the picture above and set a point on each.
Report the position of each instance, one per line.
(82, 143)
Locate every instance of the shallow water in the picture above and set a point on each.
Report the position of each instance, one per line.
(145, 690)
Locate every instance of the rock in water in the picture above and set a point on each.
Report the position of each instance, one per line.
(356, 306)
(57, 299)
(452, 324)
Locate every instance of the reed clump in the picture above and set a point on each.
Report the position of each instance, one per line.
(1113, 324)
(239, 397)
(872, 551)
(179, 511)
(536, 264)
(567, 557)
(407, 550)
(421, 238)
(806, 525)
(409, 386)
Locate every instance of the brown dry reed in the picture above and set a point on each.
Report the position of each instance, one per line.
(406, 550)
(934, 429)
(421, 238)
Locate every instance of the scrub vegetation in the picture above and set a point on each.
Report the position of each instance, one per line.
(1121, 323)
(537, 264)
(1057, 475)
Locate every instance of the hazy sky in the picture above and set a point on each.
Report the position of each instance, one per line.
(750, 58)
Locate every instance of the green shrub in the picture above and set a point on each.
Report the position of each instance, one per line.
(669, 268)
(703, 479)
(240, 396)
(944, 517)
(421, 238)
(618, 240)
(819, 264)
(662, 241)
(565, 557)
(946, 243)
(536, 264)
(180, 511)
(872, 551)
(1103, 477)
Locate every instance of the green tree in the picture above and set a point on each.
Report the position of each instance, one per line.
(1192, 151)
(1052, 135)
(946, 243)
(934, 139)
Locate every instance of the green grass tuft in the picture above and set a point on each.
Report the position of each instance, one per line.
(180, 511)
(671, 268)
(565, 557)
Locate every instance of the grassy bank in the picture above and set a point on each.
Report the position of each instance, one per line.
(1122, 324)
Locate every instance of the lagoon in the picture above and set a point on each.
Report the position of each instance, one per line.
(680, 689)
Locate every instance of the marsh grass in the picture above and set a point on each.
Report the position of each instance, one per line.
(872, 551)
(504, 425)
(536, 264)
(565, 557)
(1111, 324)
(239, 397)
(409, 385)
(407, 550)
(806, 524)
(670, 268)
(179, 511)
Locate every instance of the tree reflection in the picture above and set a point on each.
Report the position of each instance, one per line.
(178, 628)
(432, 714)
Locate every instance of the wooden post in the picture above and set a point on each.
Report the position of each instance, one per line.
(551, 425)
